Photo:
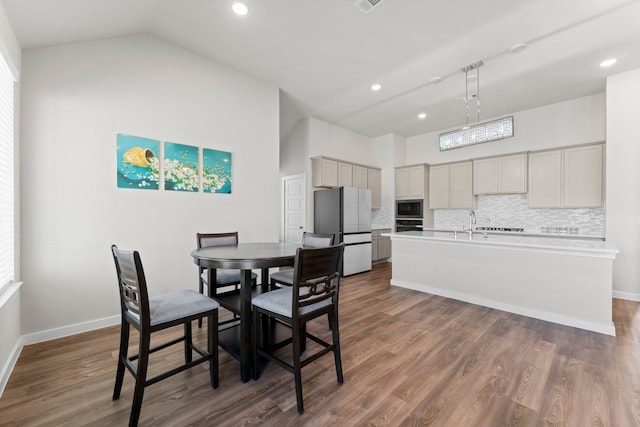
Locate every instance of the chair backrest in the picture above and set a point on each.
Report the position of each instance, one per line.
(316, 276)
(206, 240)
(316, 240)
(134, 299)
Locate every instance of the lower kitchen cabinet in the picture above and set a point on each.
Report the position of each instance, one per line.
(380, 245)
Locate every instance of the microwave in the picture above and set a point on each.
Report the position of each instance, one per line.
(409, 208)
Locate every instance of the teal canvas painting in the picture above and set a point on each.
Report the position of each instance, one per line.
(137, 160)
(181, 168)
(216, 171)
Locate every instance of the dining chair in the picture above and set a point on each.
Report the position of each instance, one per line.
(224, 277)
(309, 240)
(152, 314)
(314, 293)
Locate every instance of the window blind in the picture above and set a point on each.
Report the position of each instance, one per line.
(6, 174)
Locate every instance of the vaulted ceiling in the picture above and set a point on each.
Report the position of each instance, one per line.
(324, 55)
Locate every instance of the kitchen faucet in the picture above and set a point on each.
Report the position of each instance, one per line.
(472, 221)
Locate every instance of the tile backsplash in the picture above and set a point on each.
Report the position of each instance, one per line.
(512, 211)
(382, 218)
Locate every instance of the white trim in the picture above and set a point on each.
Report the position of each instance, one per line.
(7, 291)
(65, 331)
(7, 369)
(524, 311)
(631, 296)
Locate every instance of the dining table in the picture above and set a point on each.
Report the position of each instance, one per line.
(244, 257)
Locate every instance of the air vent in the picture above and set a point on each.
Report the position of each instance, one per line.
(367, 6)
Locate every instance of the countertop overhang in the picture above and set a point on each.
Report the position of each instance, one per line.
(566, 246)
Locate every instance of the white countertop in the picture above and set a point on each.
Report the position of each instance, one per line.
(579, 246)
(524, 233)
(381, 227)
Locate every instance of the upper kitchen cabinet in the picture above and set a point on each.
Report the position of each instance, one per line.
(328, 172)
(451, 186)
(374, 183)
(345, 175)
(359, 176)
(583, 172)
(411, 182)
(567, 178)
(324, 172)
(500, 175)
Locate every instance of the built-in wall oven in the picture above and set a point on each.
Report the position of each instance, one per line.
(409, 224)
(410, 208)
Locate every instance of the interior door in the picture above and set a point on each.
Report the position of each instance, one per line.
(295, 208)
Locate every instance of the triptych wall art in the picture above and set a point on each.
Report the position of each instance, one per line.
(181, 168)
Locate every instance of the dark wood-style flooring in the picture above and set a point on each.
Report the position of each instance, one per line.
(409, 359)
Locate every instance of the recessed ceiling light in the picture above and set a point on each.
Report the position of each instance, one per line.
(376, 87)
(435, 80)
(240, 8)
(608, 62)
(422, 116)
(518, 47)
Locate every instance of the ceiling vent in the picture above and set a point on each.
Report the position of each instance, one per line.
(367, 6)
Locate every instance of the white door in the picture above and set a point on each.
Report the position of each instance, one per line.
(295, 207)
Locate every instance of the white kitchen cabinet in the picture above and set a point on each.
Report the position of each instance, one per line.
(374, 183)
(439, 187)
(359, 176)
(345, 174)
(410, 182)
(461, 185)
(381, 245)
(566, 178)
(545, 179)
(500, 175)
(583, 171)
(324, 172)
(451, 186)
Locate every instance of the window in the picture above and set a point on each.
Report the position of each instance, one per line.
(6, 174)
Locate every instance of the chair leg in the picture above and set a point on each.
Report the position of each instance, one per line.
(255, 337)
(141, 378)
(297, 370)
(122, 356)
(336, 343)
(188, 343)
(212, 342)
(201, 290)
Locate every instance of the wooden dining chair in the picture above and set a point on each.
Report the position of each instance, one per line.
(316, 280)
(309, 240)
(152, 314)
(224, 278)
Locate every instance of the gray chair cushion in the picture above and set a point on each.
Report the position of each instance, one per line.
(226, 277)
(175, 305)
(283, 276)
(280, 300)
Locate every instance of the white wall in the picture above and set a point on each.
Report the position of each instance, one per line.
(578, 121)
(623, 180)
(75, 99)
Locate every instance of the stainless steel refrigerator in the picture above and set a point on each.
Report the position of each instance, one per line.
(346, 213)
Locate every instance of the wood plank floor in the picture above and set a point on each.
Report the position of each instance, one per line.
(409, 359)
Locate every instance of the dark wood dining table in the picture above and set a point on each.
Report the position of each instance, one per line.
(244, 257)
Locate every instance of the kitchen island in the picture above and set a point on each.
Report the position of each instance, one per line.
(558, 280)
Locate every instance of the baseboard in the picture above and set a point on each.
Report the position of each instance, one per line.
(7, 369)
(626, 295)
(65, 331)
